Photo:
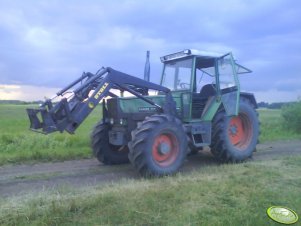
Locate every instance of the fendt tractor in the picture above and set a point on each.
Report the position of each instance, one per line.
(198, 103)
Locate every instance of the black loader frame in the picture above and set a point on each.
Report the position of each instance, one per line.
(68, 114)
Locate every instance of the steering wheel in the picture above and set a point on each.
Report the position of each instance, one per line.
(184, 84)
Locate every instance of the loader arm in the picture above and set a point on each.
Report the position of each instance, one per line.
(69, 113)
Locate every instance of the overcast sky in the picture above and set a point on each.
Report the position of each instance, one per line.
(47, 44)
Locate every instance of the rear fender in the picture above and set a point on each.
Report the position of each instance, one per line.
(250, 97)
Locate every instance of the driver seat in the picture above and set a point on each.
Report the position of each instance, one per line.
(199, 100)
(207, 91)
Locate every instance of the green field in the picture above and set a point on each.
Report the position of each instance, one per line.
(219, 195)
(19, 144)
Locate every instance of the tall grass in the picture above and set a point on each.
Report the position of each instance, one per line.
(19, 144)
(292, 116)
(213, 195)
(273, 126)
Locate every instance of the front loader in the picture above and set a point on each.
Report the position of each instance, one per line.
(198, 103)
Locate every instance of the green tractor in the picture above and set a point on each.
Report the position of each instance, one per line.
(198, 103)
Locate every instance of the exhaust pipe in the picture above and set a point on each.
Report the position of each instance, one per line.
(147, 67)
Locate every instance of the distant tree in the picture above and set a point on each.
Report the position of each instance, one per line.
(263, 105)
(277, 105)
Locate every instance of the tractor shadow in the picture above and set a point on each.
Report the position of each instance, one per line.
(201, 159)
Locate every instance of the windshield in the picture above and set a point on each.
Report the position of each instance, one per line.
(177, 75)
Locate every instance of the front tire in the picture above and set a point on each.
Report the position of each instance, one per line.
(104, 151)
(158, 146)
(234, 138)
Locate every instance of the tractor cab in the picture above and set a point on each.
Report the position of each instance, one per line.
(202, 80)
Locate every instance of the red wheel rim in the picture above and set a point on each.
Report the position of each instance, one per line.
(240, 131)
(165, 149)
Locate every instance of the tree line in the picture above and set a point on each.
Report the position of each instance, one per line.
(20, 102)
(276, 105)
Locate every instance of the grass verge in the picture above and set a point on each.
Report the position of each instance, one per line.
(212, 195)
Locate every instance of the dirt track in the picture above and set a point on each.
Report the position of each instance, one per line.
(21, 179)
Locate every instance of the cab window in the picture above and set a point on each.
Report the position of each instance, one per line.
(177, 75)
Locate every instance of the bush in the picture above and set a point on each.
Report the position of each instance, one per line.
(292, 116)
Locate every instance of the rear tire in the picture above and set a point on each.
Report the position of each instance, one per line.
(234, 138)
(158, 146)
(104, 151)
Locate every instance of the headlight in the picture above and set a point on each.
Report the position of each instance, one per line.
(122, 121)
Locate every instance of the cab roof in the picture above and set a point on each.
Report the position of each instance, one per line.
(191, 52)
(204, 55)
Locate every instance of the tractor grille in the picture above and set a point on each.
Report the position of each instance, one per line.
(198, 105)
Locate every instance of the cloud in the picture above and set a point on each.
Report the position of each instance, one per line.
(50, 43)
(6, 90)
(25, 93)
(288, 84)
(273, 95)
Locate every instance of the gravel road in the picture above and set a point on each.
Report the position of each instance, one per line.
(22, 179)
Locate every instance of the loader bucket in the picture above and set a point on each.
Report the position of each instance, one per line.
(41, 120)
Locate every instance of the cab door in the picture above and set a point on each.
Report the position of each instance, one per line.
(228, 84)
